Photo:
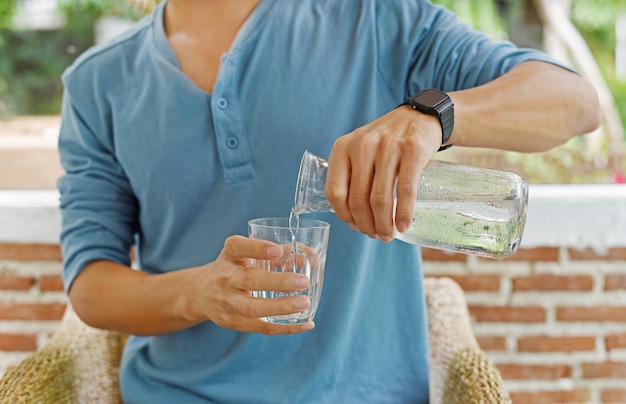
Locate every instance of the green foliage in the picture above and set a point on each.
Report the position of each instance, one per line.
(7, 10)
(31, 62)
(99, 8)
(595, 20)
(597, 15)
(571, 163)
(480, 14)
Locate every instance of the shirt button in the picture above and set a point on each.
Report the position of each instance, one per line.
(232, 142)
(222, 103)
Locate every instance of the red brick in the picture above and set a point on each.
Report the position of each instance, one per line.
(613, 396)
(30, 252)
(492, 343)
(580, 395)
(523, 314)
(475, 283)
(544, 254)
(605, 370)
(510, 371)
(31, 311)
(593, 313)
(543, 343)
(429, 254)
(18, 342)
(615, 341)
(611, 254)
(14, 282)
(51, 283)
(615, 281)
(548, 282)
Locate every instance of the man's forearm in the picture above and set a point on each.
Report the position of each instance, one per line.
(111, 296)
(534, 107)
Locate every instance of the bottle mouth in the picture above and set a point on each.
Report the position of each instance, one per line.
(299, 200)
(309, 195)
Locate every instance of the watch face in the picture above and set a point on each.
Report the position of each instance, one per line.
(431, 97)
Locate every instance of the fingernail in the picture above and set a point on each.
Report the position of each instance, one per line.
(302, 282)
(275, 251)
(385, 239)
(374, 236)
(301, 303)
(353, 226)
(402, 227)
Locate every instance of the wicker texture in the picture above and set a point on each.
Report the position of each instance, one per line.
(460, 372)
(80, 364)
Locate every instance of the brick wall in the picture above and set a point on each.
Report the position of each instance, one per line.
(32, 300)
(552, 317)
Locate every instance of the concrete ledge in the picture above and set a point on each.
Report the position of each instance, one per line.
(577, 216)
(29, 216)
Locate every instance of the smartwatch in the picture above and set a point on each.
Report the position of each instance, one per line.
(435, 102)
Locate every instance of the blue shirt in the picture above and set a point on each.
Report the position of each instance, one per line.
(153, 160)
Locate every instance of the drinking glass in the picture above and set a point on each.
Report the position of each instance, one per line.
(305, 243)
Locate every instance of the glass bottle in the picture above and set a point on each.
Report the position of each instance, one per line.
(458, 208)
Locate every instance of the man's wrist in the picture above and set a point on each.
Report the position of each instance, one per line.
(428, 126)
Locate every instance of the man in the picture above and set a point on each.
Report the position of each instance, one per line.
(180, 131)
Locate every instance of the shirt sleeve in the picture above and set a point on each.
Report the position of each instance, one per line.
(428, 46)
(98, 208)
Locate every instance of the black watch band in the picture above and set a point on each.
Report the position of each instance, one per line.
(434, 102)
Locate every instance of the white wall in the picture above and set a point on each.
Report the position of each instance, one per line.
(558, 215)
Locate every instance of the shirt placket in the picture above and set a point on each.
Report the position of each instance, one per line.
(228, 122)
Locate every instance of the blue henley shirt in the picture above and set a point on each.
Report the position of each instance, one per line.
(151, 160)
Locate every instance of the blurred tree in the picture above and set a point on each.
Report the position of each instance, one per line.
(523, 24)
(580, 33)
(7, 10)
(598, 25)
(31, 62)
(482, 15)
(98, 8)
(564, 41)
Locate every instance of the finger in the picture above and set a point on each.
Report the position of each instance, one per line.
(267, 328)
(406, 189)
(363, 171)
(338, 182)
(257, 307)
(265, 279)
(239, 247)
(260, 325)
(381, 197)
